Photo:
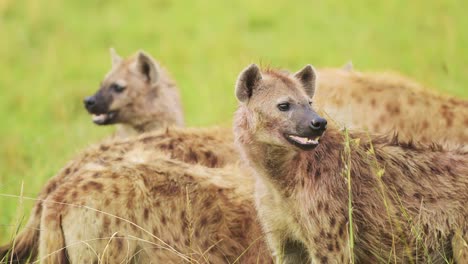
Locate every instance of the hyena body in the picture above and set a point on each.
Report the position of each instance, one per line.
(137, 95)
(405, 202)
(163, 211)
(205, 147)
(384, 102)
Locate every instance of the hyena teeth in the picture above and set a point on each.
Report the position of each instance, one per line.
(100, 117)
(303, 140)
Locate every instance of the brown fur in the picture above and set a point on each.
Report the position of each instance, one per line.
(414, 212)
(382, 102)
(162, 212)
(149, 101)
(335, 85)
(378, 102)
(208, 147)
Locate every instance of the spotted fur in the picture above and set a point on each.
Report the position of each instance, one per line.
(407, 198)
(165, 211)
(386, 102)
(207, 147)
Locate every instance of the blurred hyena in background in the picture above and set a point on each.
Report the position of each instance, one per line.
(138, 95)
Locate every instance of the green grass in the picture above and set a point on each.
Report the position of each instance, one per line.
(53, 53)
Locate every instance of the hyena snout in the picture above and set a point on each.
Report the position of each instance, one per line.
(96, 104)
(318, 124)
(89, 102)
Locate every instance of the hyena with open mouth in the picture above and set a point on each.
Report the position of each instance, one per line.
(137, 95)
(328, 196)
(210, 147)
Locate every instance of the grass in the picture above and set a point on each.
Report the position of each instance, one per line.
(53, 53)
(347, 175)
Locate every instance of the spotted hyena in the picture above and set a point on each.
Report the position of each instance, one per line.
(223, 151)
(137, 95)
(316, 185)
(164, 211)
(382, 102)
(205, 147)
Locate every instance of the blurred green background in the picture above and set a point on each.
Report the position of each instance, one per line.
(53, 53)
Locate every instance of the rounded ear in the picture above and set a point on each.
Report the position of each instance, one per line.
(247, 81)
(308, 78)
(115, 58)
(348, 66)
(148, 67)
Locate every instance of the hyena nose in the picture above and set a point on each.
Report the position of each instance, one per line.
(89, 101)
(318, 123)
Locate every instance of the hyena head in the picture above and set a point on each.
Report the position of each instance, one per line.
(136, 92)
(276, 107)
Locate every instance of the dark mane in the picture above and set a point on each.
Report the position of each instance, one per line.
(392, 139)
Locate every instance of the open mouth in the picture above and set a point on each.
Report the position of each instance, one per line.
(104, 119)
(305, 143)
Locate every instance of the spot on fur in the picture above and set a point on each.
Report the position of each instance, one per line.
(104, 147)
(146, 214)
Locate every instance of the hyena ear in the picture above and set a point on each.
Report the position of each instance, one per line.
(308, 78)
(115, 58)
(148, 67)
(247, 81)
(348, 66)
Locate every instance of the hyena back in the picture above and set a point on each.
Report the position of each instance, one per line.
(383, 102)
(138, 95)
(206, 147)
(405, 202)
(165, 211)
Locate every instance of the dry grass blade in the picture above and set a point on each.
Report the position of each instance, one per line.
(347, 172)
(166, 246)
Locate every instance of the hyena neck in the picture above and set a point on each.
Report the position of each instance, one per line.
(289, 169)
(166, 105)
(161, 111)
(125, 131)
(129, 130)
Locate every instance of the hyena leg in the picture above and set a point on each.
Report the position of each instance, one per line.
(287, 250)
(93, 237)
(117, 249)
(460, 246)
(322, 254)
(294, 252)
(52, 248)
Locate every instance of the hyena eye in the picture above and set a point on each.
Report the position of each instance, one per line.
(310, 103)
(117, 88)
(284, 107)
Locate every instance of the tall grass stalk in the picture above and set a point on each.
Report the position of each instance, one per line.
(347, 172)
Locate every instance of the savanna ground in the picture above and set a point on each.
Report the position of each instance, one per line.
(53, 53)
